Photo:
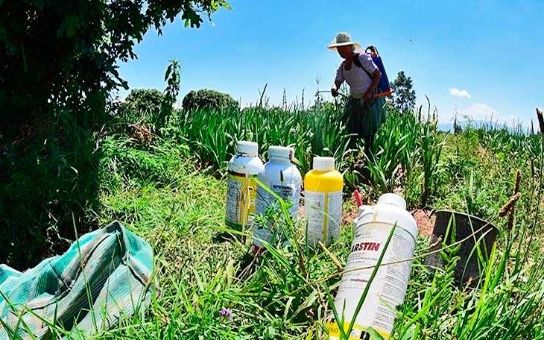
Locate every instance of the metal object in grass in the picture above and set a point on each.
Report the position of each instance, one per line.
(476, 238)
(339, 93)
(377, 95)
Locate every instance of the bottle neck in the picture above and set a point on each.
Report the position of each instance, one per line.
(280, 160)
(323, 170)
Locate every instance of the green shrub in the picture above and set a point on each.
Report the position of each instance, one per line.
(48, 188)
(208, 99)
(146, 106)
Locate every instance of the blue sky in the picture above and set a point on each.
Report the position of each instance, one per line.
(472, 57)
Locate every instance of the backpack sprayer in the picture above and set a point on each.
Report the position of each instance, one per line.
(384, 88)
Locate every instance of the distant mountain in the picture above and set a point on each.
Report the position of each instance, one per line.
(448, 126)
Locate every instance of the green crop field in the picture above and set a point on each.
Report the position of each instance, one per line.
(170, 189)
(87, 138)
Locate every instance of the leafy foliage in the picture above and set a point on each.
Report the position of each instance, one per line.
(58, 62)
(172, 77)
(48, 183)
(151, 107)
(208, 99)
(212, 134)
(142, 105)
(404, 96)
(64, 54)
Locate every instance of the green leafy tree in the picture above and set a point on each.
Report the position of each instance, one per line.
(151, 106)
(404, 97)
(143, 106)
(208, 99)
(65, 53)
(58, 63)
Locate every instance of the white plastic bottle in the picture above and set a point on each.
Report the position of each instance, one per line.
(323, 201)
(388, 289)
(282, 177)
(243, 169)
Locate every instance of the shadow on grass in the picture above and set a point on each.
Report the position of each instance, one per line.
(48, 185)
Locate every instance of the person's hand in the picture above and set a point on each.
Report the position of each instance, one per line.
(368, 96)
(334, 91)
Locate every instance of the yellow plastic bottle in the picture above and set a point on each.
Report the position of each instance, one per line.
(323, 201)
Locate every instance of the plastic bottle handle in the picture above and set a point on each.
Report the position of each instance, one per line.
(362, 210)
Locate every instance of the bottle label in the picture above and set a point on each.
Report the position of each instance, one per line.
(265, 200)
(324, 213)
(287, 192)
(241, 192)
(388, 288)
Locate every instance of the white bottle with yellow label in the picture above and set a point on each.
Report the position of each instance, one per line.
(243, 169)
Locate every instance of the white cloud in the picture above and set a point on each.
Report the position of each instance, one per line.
(479, 111)
(459, 93)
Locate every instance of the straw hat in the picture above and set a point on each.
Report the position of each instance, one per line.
(342, 39)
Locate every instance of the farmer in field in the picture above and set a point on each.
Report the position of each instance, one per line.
(363, 112)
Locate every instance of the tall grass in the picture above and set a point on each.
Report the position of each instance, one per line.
(405, 148)
(157, 191)
(285, 293)
(406, 153)
(212, 134)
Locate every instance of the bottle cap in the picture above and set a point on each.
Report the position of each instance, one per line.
(392, 199)
(250, 149)
(324, 163)
(280, 151)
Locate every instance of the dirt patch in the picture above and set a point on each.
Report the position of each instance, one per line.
(425, 221)
(349, 215)
(424, 218)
